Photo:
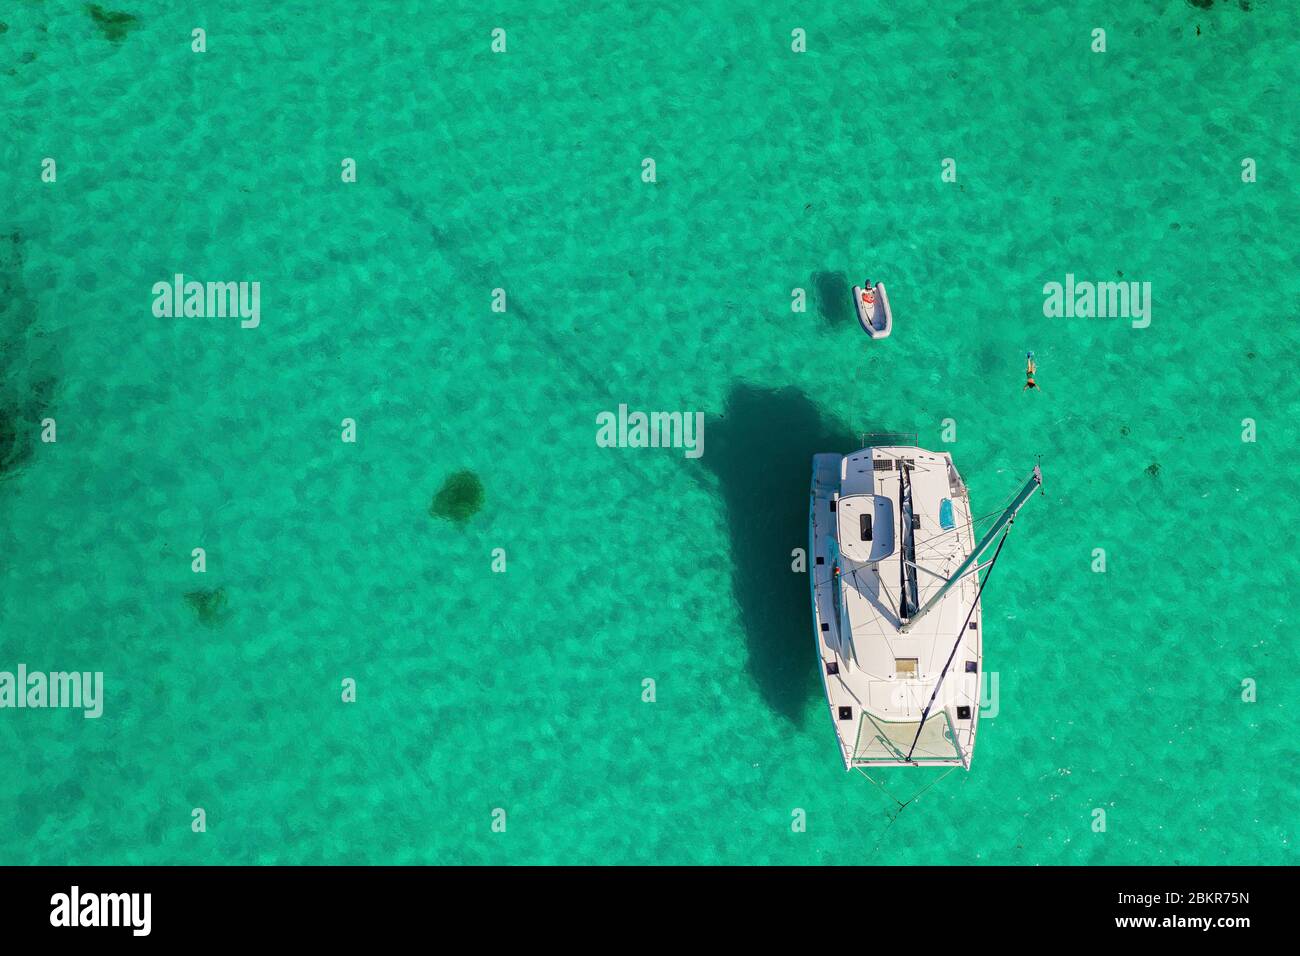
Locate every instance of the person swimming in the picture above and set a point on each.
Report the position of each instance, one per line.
(1030, 368)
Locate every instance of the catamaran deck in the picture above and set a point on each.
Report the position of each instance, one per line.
(879, 679)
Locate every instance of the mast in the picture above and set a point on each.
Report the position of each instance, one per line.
(904, 612)
(909, 597)
(1007, 516)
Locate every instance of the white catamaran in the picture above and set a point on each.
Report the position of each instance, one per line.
(896, 601)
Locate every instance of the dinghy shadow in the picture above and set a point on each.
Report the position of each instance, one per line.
(834, 298)
(760, 449)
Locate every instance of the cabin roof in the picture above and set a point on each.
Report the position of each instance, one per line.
(871, 588)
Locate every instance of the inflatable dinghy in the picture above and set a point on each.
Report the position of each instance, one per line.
(873, 310)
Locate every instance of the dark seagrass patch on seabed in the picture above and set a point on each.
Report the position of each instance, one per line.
(113, 24)
(27, 362)
(459, 499)
(209, 604)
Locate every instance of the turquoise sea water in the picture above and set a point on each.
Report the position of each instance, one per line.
(477, 690)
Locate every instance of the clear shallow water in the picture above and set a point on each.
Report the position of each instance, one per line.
(523, 690)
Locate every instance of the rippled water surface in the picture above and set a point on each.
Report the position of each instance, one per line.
(325, 560)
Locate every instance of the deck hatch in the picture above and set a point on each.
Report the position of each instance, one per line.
(846, 713)
(866, 528)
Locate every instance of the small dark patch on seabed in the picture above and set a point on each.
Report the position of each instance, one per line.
(27, 383)
(209, 604)
(20, 423)
(112, 23)
(459, 498)
(12, 450)
(1153, 469)
(761, 450)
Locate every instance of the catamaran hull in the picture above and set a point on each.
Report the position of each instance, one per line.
(877, 678)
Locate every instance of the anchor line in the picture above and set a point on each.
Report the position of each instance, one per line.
(902, 804)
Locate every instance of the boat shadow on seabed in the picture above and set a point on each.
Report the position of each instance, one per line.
(760, 449)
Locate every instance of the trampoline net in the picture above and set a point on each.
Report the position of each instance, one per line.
(888, 741)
